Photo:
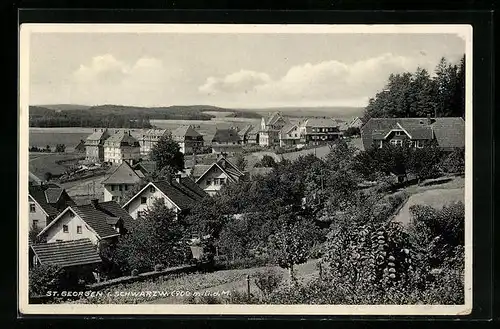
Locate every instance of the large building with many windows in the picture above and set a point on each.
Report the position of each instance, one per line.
(121, 146)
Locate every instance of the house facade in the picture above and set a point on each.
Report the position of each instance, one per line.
(226, 141)
(95, 221)
(121, 180)
(178, 194)
(270, 128)
(318, 131)
(121, 146)
(244, 134)
(149, 139)
(215, 176)
(447, 133)
(189, 139)
(94, 145)
(355, 123)
(46, 201)
(289, 135)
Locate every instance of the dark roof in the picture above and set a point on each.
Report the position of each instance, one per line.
(45, 195)
(124, 174)
(273, 118)
(226, 166)
(245, 131)
(180, 194)
(96, 217)
(199, 170)
(67, 253)
(146, 167)
(184, 131)
(98, 135)
(226, 136)
(320, 122)
(113, 209)
(80, 146)
(449, 132)
(121, 137)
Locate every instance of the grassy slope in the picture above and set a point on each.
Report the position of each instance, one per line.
(435, 196)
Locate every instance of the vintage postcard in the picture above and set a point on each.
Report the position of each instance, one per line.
(245, 169)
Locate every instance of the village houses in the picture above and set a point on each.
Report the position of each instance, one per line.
(270, 129)
(226, 141)
(289, 135)
(149, 139)
(123, 179)
(355, 123)
(94, 145)
(249, 135)
(95, 221)
(447, 132)
(178, 193)
(211, 178)
(46, 201)
(190, 141)
(318, 131)
(121, 146)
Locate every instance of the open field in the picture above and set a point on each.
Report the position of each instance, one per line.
(435, 196)
(40, 163)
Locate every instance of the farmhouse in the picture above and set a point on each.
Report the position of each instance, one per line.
(94, 145)
(355, 123)
(46, 201)
(149, 139)
(226, 141)
(270, 129)
(216, 175)
(317, 131)
(188, 138)
(122, 180)
(448, 132)
(121, 146)
(289, 135)
(178, 194)
(246, 135)
(95, 221)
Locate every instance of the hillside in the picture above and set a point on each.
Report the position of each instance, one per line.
(329, 111)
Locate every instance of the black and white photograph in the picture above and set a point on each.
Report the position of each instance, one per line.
(245, 169)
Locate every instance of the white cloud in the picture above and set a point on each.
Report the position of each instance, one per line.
(328, 82)
(101, 67)
(241, 81)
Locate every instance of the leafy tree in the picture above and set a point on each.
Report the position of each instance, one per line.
(423, 163)
(241, 162)
(33, 235)
(352, 131)
(267, 161)
(454, 162)
(43, 278)
(167, 155)
(207, 217)
(60, 148)
(157, 238)
(290, 245)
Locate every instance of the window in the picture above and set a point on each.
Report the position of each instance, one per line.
(112, 187)
(35, 223)
(420, 144)
(79, 229)
(32, 207)
(120, 187)
(126, 187)
(152, 189)
(65, 229)
(144, 200)
(209, 182)
(397, 142)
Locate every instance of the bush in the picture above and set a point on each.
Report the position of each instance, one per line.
(454, 163)
(268, 280)
(43, 278)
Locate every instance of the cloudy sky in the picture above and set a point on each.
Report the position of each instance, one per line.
(231, 70)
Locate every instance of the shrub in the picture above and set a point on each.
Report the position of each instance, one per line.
(454, 162)
(43, 278)
(268, 280)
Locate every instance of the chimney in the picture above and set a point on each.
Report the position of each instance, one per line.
(94, 203)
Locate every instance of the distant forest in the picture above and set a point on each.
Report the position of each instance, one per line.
(116, 116)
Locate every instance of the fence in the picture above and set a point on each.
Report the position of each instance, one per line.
(142, 277)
